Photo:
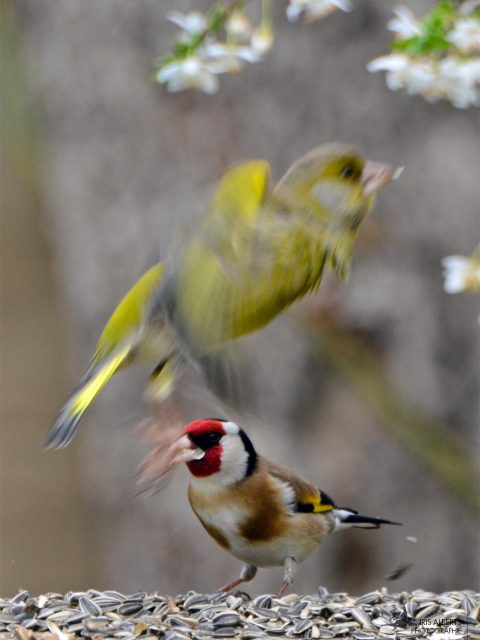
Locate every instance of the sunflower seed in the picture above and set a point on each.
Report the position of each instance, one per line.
(88, 606)
(426, 611)
(262, 602)
(111, 615)
(227, 620)
(129, 608)
(225, 632)
(302, 626)
(20, 597)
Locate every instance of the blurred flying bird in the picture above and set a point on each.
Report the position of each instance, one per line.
(257, 250)
(261, 513)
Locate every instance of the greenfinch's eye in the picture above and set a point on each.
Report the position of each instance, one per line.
(350, 172)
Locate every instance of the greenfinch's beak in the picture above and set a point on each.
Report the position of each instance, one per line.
(186, 451)
(375, 176)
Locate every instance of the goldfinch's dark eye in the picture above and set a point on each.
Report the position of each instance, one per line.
(214, 437)
(206, 440)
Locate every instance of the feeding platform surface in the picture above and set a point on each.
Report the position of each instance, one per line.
(98, 615)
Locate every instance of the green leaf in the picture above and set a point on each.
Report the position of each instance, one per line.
(434, 28)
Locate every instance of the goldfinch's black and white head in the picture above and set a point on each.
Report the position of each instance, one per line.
(222, 451)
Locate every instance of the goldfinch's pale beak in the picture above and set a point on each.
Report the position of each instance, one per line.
(185, 451)
(375, 176)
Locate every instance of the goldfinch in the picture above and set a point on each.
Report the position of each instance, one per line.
(258, 250)
(260, 512)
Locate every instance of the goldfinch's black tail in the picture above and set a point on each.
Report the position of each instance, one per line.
(345, 518)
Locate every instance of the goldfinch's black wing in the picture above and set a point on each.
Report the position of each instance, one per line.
(308, 498)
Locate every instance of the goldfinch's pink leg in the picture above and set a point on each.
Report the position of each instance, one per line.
(247, 573)
(288, 575)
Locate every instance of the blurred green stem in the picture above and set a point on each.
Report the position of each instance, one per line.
(18, 131)
(433, 444)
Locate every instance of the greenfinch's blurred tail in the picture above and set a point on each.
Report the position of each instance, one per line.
(66, 425)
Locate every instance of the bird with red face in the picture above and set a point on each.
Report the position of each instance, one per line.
(258, 511)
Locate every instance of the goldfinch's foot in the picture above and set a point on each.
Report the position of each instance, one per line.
(279, 593)
(231, 585)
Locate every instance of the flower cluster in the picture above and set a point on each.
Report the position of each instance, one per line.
(437, 57)
(224, 40)
(199, 56)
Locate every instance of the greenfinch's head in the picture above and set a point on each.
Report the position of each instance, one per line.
(334, 183)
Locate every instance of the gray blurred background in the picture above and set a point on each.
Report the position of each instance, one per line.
(101, 169)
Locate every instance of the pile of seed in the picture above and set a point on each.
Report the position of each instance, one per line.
(97, 615)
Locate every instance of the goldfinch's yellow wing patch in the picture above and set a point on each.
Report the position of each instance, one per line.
(317, 502)
(129, 313)
(308, 499)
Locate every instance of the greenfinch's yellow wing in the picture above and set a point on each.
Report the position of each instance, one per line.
(241, 191)
(130, 312)
(222, 249)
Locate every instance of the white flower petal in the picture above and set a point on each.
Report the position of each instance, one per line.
(192, 22)
(168, 71)
(248, 54)
(294, 11)
(262, 40)
(223, 58)
(405, 25)
(392, 62)
(239, 27)
(187, 73)
(315, 9)
(421, 78)
(460, 81)
(466, 35)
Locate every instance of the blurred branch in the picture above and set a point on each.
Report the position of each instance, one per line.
(18, 131)
(432, 443)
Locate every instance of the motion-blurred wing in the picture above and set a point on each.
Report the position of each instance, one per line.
(129, 314)
(213, 281)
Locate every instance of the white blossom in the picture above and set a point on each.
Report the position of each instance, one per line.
(227, 58)
(460, 81)
(405, 25)
(315, 9)
(396, 65)
(189, 73)
(466, 35)
(422, 77)
(192, 23)
(450, 78)
(262, 39)
(460, 274)
(238, 27)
